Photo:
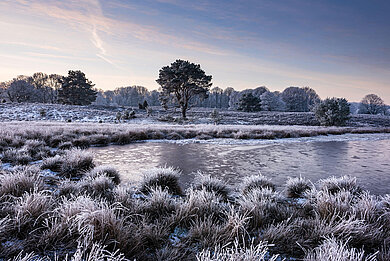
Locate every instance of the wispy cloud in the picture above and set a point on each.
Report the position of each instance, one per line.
(86, 15)
(40, 46)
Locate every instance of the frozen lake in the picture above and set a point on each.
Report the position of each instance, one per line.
(363, 156)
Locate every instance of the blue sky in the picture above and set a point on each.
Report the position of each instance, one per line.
(339, 48)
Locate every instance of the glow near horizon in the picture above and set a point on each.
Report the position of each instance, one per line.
(337, 48)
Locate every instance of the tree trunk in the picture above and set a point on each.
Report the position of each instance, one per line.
(183, 112)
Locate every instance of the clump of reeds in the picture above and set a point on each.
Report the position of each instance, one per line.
(15, 156)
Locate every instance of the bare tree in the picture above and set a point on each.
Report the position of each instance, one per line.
(20, 91)
(372, 104)
(271, 102)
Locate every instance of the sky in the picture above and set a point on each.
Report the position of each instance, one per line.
(340, 48)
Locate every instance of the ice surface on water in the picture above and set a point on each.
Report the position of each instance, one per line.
(365, 156)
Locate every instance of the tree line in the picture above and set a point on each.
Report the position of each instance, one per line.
(183, 85)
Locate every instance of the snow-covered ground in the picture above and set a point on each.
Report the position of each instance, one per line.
(58, 112)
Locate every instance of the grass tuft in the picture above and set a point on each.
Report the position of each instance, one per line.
(19, 181)
(167, 178)
(107, 171)
(335, 250)
(211, 184)
(256, 181)
(297, 187)
(336, 184)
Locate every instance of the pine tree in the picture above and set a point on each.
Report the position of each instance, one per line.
(332, 111)
(183, 81)
(249, 103)
(76, 89)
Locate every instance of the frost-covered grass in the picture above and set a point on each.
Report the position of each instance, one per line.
(41, 136)
(63, 207)
(94, 217)
(108, 114)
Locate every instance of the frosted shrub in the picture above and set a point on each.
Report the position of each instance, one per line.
(332, 111)
(215, 116)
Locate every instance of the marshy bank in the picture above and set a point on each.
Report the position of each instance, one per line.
(56, 202)
(87, 134)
